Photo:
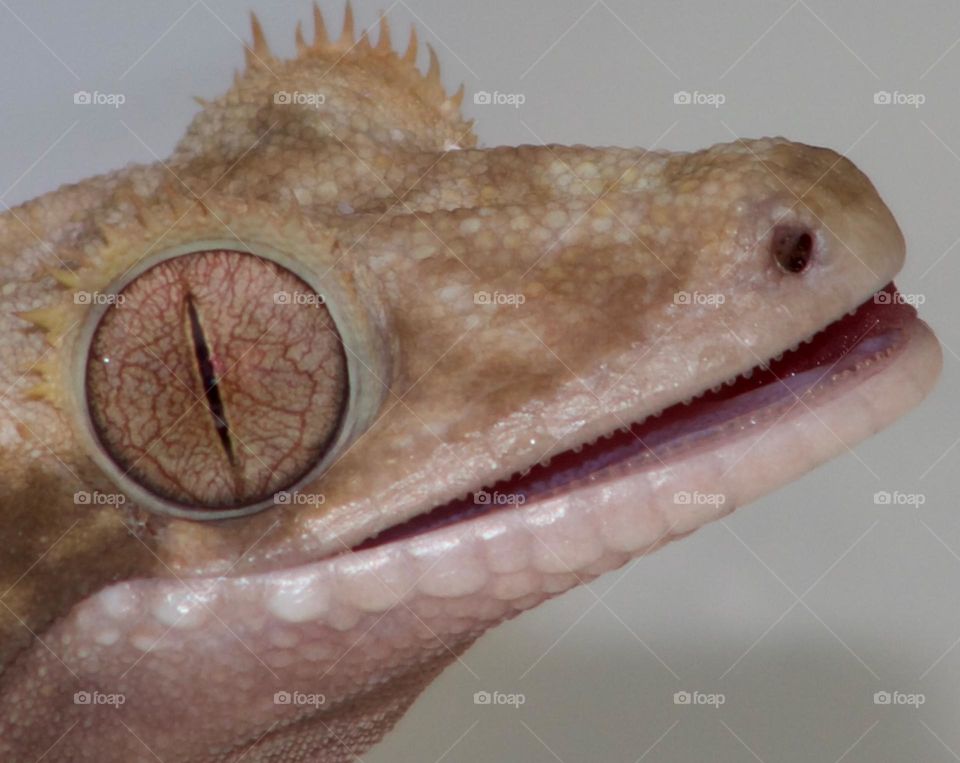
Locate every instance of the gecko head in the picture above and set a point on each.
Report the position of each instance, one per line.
(496, 389)
(475, 453)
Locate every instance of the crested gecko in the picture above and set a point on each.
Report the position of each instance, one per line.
(307, 407)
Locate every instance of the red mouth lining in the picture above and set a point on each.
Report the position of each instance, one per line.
(869, 333)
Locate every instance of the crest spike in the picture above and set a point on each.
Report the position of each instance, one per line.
(259, 49)
(410, 56)
(320, 36)
(41, 391)
(260, 46)
(302, 46)
(433, 73)
(64, 277)
(384, 42)
(46, 318)
(346, 37)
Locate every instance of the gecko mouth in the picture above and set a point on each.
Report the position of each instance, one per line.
(853, 347)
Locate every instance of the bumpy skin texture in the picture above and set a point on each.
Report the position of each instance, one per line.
(380, 193)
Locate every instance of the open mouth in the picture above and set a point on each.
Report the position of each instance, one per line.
(852, 347)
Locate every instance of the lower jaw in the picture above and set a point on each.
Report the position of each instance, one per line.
(356, 620)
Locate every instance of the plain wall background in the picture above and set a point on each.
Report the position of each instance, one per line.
(718, 612)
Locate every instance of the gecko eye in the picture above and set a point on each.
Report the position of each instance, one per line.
(792, 248)
(215, 379)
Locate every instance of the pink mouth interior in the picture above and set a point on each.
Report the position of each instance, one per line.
(871, 332)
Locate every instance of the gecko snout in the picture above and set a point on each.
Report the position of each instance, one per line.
(823, 214)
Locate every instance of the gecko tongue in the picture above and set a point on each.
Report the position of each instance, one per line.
(845, 346)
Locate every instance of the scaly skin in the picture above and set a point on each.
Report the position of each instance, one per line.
(380, 195)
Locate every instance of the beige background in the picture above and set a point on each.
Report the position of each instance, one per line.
(719, 612)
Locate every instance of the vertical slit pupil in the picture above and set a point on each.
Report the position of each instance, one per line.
(208, 378)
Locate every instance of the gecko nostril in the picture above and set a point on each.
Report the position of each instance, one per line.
(792, 248)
